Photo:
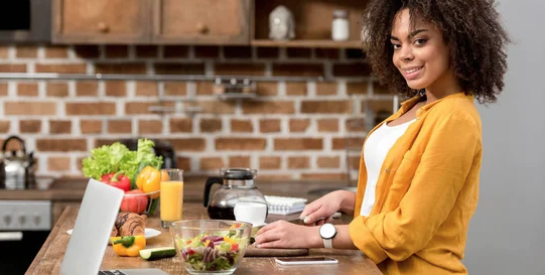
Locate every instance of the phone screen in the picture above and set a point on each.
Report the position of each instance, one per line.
(313, 259)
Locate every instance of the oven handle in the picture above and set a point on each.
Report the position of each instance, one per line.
(11, 236)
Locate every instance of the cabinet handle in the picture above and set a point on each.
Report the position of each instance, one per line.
(11, 236)
(202, 28)
(103, 28)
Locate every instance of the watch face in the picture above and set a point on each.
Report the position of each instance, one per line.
(328, 231)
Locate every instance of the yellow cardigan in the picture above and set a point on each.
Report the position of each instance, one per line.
(426, 192)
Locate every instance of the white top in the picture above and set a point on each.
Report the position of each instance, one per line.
(374, 152)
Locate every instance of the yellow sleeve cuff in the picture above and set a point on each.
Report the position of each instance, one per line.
(363, 239)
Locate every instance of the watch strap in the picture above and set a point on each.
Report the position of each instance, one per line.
(328, 243)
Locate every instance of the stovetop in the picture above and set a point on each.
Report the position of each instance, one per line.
(27, 215)
(41, 183)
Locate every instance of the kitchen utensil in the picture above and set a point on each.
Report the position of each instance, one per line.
(16, 167)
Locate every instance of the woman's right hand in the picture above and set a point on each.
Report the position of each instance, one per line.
(320, 211)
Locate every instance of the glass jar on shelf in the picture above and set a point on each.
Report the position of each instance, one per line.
(340, 27)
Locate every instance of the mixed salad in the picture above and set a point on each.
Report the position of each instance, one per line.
(214, 252)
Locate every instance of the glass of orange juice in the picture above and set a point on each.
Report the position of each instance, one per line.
(172, 196)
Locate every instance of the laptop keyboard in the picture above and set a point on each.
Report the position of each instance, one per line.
(111, 272)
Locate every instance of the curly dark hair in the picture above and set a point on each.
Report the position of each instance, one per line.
(470, 28)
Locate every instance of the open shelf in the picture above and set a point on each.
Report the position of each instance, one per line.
(308, 44)
(313, 20)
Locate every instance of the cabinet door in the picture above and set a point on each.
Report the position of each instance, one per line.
(101, 21)
(201, 21)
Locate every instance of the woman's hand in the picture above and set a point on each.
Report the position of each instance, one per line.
(320, 211)
(282, 234)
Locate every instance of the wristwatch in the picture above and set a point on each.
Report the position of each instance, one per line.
(328, 232)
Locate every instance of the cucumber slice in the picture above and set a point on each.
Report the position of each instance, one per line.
(157, 253)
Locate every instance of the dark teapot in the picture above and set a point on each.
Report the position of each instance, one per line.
(16, 167)
(237, 184)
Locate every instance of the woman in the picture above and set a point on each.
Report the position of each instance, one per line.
(419, 171)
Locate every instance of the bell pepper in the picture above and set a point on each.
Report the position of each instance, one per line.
(149, 180)
(229, 240)
(233, 243)
(117, 180)
(128, 245)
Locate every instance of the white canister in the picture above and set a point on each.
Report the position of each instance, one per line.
(340, 27)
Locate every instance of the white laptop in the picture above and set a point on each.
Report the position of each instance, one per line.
(91, 234)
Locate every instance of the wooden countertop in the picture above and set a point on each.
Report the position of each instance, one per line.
(49, 259)
(72, 189)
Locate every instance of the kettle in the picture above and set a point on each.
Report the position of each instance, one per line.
(16, 167)
(237, 184)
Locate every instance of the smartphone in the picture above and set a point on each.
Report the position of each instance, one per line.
(306, 261)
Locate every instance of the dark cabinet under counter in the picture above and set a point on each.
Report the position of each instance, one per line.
(25, 21)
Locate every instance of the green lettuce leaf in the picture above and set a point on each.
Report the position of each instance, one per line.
(146, 154)
(104, 160)
(118, 158)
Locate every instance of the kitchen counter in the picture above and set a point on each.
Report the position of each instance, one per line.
(72, 189)
(66, 192)
(49, 259)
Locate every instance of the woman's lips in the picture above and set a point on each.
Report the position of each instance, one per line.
(412, 73)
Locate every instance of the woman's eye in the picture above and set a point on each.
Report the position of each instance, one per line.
(420, 41)
(396, 46)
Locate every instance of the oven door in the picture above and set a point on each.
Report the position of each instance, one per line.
(18, 249)
(24, 227)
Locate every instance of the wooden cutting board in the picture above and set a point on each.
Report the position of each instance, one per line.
(253, 251)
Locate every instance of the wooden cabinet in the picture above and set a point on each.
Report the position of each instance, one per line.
(152, 21)
(101, 21)
(201, 21)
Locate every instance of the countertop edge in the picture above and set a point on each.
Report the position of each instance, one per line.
(50, 238)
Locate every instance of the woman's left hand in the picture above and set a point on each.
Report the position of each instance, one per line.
(282, 234)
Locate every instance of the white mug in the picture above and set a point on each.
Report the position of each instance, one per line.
(251, 212)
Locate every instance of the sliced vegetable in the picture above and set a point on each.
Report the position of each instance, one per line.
(128, 245)
(216, 252)
(157, 253)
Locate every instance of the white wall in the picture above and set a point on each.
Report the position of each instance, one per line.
(507, 234)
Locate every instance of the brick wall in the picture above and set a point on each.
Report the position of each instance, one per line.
(295, 130)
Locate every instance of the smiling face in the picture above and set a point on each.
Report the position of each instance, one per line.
(420, 53)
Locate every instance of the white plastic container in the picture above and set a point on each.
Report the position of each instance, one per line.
(340, 27)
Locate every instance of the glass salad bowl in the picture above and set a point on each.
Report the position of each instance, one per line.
(210, 246)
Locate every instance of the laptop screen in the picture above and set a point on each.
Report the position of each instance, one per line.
(91, 234)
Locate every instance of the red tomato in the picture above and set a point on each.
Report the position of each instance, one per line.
(234, 247)
(134, 203)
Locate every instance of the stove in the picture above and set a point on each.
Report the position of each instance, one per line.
(24, 227)
(25, 215)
